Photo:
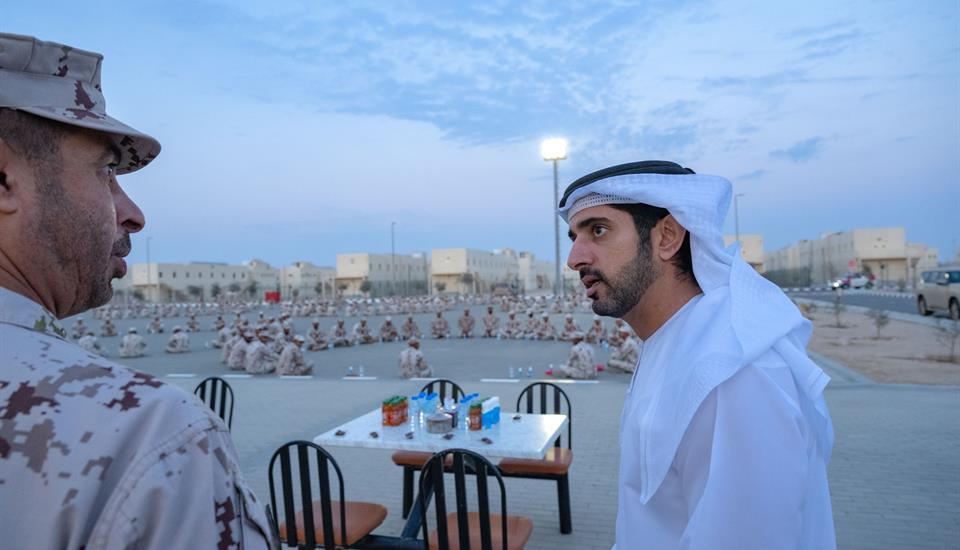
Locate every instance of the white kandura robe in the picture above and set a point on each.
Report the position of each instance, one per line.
(725, 435)
(747, 473)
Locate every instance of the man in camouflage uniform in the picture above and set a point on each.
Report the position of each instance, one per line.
(580, 365)
(617, 334)
(79, 329)
(624, 356)
(409, 329)
(545, 329)
(339, 335)
(490, 324)
(261, 357)
(596, 334)
(362, 333)
(107, 328)
(89, 343)
(291, 361)
(238, 353)
(388, 331)
(466, 323)
(179, 342)
(530, 329)
(155, 326)
(440, 328)
(513, 329)
(412, 363)
(132, 345)
(570, 328)
(317, 338)
(92, 454)
(192, 324)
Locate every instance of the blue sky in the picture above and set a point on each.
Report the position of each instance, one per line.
(296, 130)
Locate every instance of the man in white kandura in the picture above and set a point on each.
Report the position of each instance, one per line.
(725, 436)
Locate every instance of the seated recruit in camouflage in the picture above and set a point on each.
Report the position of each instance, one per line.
(92, 454)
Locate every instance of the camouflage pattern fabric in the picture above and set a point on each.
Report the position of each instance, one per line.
(99, 456)
(62, 83)
(580, 365)
(412, 364)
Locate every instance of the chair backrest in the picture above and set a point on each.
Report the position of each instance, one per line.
(547, 398)
(444, 388)
(294, 461)
(218, 395)
(432, 484)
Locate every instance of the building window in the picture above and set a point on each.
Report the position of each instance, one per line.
(161, 275)
(174, 274)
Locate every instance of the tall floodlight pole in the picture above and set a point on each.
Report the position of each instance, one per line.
(555, 149)
(736, 215)
(149, 277)
(393, 260)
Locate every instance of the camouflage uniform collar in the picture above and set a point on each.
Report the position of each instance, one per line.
(16, 309)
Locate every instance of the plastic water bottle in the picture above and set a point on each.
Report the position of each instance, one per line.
(361, 370)
(510, 372)
(529, 372)
(350, 370)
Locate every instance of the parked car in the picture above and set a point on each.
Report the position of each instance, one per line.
(939, 290)
(853, 280)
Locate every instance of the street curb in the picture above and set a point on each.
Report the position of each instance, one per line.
(935, 322)
(844, 373)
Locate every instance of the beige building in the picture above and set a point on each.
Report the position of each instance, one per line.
(192, 281)
(883, 251)
(305, 280)
(467, 270)
(367, 274)
(536, 276)
(751, 249)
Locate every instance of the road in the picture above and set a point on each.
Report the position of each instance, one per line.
(889, 301)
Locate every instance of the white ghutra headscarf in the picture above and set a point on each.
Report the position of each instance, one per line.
(761, 316)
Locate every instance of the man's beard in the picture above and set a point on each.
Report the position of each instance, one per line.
(77, 244)
(626, 287)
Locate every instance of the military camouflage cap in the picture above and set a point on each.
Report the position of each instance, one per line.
(61, 83)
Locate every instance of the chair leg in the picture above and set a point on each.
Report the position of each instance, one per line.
(407, 490)
(563, 497)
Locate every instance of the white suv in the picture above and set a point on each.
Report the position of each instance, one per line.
(939, 290)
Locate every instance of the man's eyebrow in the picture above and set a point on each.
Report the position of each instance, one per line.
(590, 221)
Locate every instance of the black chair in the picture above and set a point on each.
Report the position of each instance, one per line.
(218, 395)
(326, 522)
(412, 461)
(462, 528)
(547, 398)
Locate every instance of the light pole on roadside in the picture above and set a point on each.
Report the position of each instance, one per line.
(149, 276)
(555, 149)
(393, 260)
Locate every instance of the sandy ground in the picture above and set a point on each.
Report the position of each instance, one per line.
(905, 353)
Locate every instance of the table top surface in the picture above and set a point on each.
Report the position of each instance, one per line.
(517, 435)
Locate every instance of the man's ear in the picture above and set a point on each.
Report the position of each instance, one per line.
(10, 185)
(671, 238)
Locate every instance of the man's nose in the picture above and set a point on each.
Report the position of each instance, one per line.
(580, 256)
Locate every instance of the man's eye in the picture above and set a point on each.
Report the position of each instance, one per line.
(599, 230)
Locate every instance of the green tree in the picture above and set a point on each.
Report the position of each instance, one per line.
(880, 319)
(837, 308)
(195, 291)
(440, 286)
(234, 287)
(366, 286)
(252, 288)
(215, 291)
(949, 336)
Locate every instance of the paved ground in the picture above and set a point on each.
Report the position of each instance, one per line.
(895, 474)
(902, 303)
